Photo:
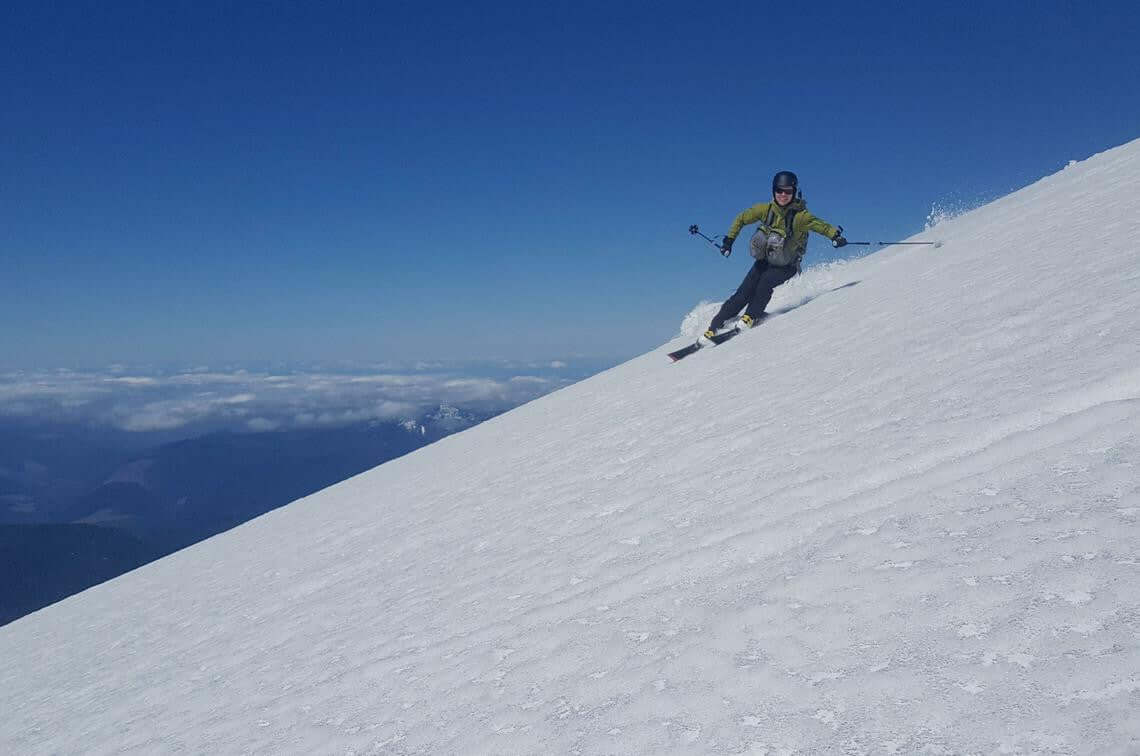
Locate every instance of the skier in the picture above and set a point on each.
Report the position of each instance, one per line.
(778, 247)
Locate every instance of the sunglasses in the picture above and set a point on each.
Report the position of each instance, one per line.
(784, 190)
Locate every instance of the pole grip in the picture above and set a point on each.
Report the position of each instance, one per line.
(696, 231)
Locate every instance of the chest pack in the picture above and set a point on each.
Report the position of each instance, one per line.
(782, 251)
(789, 220)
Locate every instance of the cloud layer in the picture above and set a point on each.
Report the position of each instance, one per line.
(145, 400)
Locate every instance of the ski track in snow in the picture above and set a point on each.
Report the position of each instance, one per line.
(902, 516)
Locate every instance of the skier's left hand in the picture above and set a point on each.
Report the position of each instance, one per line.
(838, 240)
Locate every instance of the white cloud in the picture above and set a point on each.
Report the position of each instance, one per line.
(389, 380)
(23, 394)
(176, 413)
(130, 380)
(133, 399)
(531, 379)
(239, 399)
(387, 410)
(199, 379)
(473, 388)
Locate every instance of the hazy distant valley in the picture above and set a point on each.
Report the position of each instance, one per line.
(80, 506)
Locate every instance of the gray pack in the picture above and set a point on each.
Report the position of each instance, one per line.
(770, 246)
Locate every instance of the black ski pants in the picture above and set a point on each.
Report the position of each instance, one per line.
(755, 291)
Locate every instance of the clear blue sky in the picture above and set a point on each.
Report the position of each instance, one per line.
(204, 182)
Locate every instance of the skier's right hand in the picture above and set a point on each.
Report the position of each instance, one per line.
(726, 245)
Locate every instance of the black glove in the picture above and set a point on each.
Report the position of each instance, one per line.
(838, 240)
(726, 245)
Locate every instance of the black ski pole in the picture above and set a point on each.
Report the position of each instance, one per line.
(697, 232)
(892, 243)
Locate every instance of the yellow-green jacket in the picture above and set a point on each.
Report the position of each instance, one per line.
(792, 222)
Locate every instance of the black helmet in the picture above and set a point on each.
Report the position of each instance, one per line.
(785, 179)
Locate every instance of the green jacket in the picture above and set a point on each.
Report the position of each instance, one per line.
(775, 219)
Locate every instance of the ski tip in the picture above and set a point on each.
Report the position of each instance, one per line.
(684, 352)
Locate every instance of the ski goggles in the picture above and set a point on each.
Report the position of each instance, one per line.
(788, 190)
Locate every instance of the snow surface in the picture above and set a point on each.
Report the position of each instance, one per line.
(902, 516)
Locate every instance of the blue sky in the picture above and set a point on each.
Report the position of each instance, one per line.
(206, 182)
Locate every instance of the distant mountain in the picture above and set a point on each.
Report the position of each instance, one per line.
(443, 421)
(16, 503)
(176, 494)
(44, 468)
(42, 564)
(180, 493)
(9, 486)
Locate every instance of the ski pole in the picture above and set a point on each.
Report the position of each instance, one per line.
(891, 243)
(933, 243)
(697, 232)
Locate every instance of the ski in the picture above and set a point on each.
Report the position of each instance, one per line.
(720, 338)
(684, 351)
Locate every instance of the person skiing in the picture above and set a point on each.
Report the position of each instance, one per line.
(778, 246)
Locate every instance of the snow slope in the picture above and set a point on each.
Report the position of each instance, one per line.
(902, 516)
